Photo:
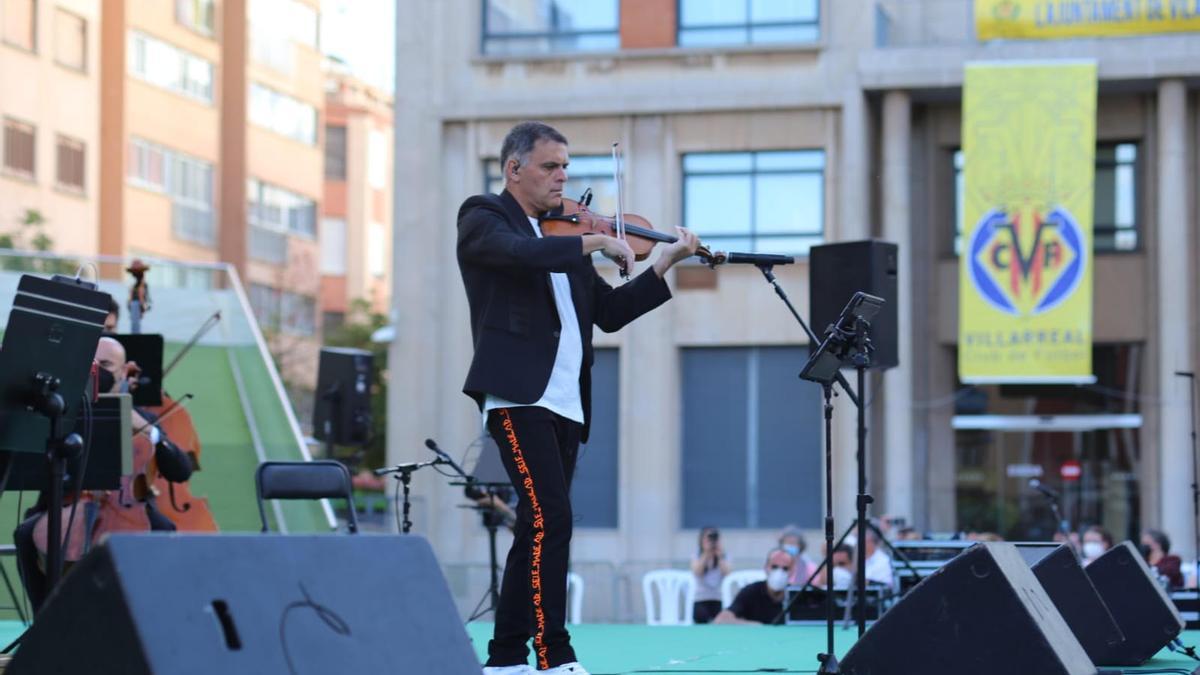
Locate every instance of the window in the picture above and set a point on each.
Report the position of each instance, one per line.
(377, 159)
(70, 163)
(265, 301)
(283, 114)
(169, 67)
(752, 447)
(298, 313)
(1116, 198)
(20, 23)
(748, 22)
(377, 249)
(70, 40)
(594, 488)
(187, 180)
(273, 213)
(583, 172)
(19, 147)
(764, 202)
(333, 246)
(335, 152)
(198, 15)
(522, 27)
(288, 19)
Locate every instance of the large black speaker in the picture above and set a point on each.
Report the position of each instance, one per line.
(982, 613)
(837, 271)
(1147, 617)
(342, 406)
(202, 604)
(1076, 598)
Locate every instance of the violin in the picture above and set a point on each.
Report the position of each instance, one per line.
(175, 500)
(575, 219)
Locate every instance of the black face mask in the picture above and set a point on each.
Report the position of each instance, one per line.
(1145, 551)
(106, 381)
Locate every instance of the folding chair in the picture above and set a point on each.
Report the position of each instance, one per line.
(319, 479)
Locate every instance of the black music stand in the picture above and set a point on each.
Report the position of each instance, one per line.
(490, 476)
(846, 343)
(49, 346)
(145, 349)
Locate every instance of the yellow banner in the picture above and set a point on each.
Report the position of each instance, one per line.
(1025, 270)
(1051, 19)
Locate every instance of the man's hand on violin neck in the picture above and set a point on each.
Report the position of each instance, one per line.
(612, 248)
(682, 249)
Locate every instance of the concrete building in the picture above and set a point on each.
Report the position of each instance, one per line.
(51, 141)
(210, 120)
(832, 121)
(356, 223)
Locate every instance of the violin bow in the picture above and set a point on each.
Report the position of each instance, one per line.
(204, 328)
(618, 176)
(171, 410)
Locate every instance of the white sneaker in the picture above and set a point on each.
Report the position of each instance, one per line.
(572, 668)
(519, 669)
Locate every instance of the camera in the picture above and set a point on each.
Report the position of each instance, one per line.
(712, 535)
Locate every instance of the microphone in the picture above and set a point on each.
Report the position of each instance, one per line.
(1037, 485)
(758, 259)
(432, 445)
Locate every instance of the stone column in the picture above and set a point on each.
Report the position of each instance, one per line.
(897, 382)
(1172, 250)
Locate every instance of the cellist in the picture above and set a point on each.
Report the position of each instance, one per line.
(132, 508)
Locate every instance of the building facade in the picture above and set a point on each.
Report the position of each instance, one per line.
(356, 222)
(210, 121)
(50, 143)
(771, 127)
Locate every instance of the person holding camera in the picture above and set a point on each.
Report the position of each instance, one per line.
(710, 567)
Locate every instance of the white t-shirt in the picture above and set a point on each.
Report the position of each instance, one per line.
(562, 391)
(879, 568)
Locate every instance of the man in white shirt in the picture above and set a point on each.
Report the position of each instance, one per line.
(533, 301)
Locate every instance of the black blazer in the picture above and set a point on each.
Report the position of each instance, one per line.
(514, 321)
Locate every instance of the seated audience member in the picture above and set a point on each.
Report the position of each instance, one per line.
(843, 569)
(709, 567)
(879, 563)
(1156, 549)
(762, 601)
(792, 541)
(1096, 540)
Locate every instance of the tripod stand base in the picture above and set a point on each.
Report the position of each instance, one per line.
(829, 664)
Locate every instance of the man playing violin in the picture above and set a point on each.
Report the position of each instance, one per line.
(533, 301)
(116, 375)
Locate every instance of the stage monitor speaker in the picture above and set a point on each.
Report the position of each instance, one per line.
(983, 613)
(1147, 617)
(342, 406)
(202, 604)
(1076, 598)
(837, 271)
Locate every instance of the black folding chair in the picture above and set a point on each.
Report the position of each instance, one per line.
(319, 479)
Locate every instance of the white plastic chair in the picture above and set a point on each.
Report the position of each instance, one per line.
(574, 598)
(670, 586)
(735, 581)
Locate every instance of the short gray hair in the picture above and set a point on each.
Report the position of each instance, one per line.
(520, 141)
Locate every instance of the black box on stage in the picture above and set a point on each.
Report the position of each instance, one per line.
(837, 271)
(201, 604)
(1076, 598)
(983, 613)
(1146, 615)
(342, 407)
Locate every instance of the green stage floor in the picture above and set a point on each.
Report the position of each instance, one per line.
(609, 649)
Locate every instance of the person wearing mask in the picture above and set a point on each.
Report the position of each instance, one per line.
(879, 564)
(709, 567)
(1096, 540)
(1156, 549)
(843, 569)
(792, 541)
(762, 601)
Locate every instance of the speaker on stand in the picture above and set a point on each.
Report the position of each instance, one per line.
(342, 407)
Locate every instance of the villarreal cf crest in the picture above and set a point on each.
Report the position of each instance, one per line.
(1026, 262)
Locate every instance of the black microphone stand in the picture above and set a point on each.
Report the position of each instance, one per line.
(403, 473)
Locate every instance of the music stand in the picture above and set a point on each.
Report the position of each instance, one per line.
(49, 346)
(109, 452)
(846, 343)
(146, 349)
(490, 475)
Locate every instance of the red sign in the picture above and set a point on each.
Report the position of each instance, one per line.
(1070, 470)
